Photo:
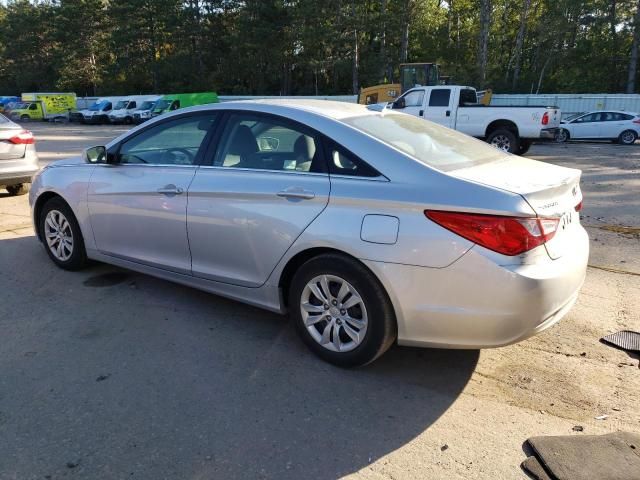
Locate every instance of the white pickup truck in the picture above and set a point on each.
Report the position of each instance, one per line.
(512, 129)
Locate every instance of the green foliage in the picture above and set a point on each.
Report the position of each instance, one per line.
(309, 46)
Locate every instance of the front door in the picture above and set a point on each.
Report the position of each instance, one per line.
(264, 185)
(586, 126)
(138, 205)
(413, 102)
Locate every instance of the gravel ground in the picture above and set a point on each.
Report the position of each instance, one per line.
(111, 374)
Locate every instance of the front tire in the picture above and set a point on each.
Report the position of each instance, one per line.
(25, 118)
(504, 140)
(563, 136)
(61, 235)
(341, 311)
(628, 137)
(18, 189)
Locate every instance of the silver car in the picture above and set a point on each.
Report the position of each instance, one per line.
(18, 158)
(369, 228)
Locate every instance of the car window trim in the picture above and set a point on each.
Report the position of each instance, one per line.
(214, 148)
(328, 146)
(115, 149)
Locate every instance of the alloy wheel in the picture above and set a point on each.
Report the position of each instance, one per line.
(501, 142)
(334, 313)
(58, 234)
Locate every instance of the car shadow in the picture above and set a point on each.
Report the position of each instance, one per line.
(110, 374)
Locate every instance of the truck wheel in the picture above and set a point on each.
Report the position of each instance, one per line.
(504, 140)
(562, 136)
(128, 120)
(25, 118)
(524, 146)
(18, 189)
(628, 137)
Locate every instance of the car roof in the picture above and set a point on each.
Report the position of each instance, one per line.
(326, 108)
(626, 112)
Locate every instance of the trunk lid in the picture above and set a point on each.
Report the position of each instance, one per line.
(551, 190)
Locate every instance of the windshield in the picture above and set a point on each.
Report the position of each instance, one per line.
(163, 104)
(146, 105)
(96, 107)
(121, 104)
(573, 117)
(427, 142)
(20, 106)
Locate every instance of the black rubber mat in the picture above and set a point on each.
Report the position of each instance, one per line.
(625, 339)
(535, 469)
(614, 456)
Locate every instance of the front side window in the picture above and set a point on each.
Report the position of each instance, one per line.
(175, 142)
(33, 106)
(267, 143)
(439, 97)
(414, 98)
(592, 117)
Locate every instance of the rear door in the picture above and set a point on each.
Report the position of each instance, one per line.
(263, 186)
(439, 107)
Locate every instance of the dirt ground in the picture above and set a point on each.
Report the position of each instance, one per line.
(106, 373)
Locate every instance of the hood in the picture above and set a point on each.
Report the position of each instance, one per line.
(65, 162)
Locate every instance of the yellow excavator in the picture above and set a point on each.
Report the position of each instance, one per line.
(411, 75)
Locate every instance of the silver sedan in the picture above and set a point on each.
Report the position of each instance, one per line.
(369, 228)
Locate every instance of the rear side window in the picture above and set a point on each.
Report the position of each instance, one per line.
(624, 116)
(439, 97)
(343, 162)
(468, 97)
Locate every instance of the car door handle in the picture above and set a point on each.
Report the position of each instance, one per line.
(448, 113)
(421, 113)
(170, 190)
(296, 193)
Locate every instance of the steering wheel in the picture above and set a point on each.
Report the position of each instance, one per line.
(181, 156)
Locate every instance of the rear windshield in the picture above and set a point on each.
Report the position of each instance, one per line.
(427, 142)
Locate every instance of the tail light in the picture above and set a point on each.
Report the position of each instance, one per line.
(25, 137)
(505, 235)
(578, 207)
(545, 118)
(636, 120)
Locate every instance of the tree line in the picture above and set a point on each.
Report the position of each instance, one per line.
(315, 47)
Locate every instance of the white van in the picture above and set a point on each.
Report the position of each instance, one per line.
(122, 111)
(99, 111)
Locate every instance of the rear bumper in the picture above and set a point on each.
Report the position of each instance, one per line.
(475, 303)
(16, 176)
(548, 133)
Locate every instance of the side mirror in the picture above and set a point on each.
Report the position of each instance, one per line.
(95, 155)
(399, 103)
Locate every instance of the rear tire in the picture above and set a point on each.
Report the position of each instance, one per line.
(628, 137)
(525, 145)
(18, 189)
(61, 235)
(353, 323)
(504, 140)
